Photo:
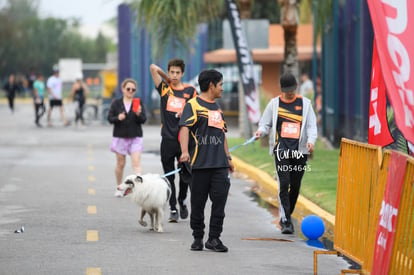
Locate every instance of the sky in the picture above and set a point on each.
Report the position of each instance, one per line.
(93, 13)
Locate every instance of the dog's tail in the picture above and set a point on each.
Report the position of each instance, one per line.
(168, 189)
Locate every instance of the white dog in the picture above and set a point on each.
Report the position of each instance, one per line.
(151, 192)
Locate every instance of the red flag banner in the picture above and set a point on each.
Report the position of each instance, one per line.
(378, 131)
(395, 42)
(388, 214)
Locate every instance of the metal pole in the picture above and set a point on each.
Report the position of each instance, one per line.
(244, 123)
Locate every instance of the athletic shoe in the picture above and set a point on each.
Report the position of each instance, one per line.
(197, 245)
(119, 193)
(183, 211)
(173, 216)
(216, 245)
(287, 227)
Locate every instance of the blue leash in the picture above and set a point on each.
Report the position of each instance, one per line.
(252, 139)
(171, 173)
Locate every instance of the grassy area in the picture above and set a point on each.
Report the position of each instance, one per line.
(319, 182)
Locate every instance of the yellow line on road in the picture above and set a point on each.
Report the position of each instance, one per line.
(91, 209)
(93, 271)
(92, 236)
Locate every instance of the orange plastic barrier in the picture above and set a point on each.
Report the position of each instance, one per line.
(362, 177)
(357, 179)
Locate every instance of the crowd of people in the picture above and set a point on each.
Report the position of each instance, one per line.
(38, 88)
(193, 138)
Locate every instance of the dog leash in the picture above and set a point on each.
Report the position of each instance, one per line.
(252, 139)
(171, 173)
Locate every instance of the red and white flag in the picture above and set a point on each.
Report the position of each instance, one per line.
(387, 222)
(394, 37)
(378, 131)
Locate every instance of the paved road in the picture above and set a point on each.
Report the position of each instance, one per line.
(58, 183)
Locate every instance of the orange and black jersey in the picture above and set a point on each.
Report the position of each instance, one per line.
(172, 101)
(289, 121)
(207, 127)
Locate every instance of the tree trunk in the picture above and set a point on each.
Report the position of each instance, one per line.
(245, 7)
(290, 19)
(291, 63)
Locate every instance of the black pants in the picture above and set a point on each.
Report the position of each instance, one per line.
(79, 110)
(289, 172)
(216, 184)
(39, 110)
(171, 151)
(11, 102)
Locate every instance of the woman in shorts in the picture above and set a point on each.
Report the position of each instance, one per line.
(127, 131)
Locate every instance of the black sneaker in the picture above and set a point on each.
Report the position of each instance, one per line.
(183, 211)
(287, 227)
(173, 216)
(216, 245)
(197, 245)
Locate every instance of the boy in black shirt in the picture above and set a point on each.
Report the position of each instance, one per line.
(290, 121)
(174, 94)
(203, 143)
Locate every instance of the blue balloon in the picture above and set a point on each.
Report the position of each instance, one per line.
(312, 227)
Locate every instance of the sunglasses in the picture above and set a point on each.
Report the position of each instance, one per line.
(131, 89)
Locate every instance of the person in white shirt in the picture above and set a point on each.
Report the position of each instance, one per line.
(290, 122)
(54, 88)
(306, 88)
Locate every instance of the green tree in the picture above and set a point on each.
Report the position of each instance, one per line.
(22, 9)
(173, 22)
(102, 46)
(29, 42)
(305, 13)
(322, 15)
(266, 9)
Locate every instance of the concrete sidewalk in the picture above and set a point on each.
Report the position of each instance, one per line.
(51, 178)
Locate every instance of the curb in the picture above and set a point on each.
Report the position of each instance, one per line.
(267, 190)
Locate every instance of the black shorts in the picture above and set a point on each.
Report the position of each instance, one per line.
(55, 102)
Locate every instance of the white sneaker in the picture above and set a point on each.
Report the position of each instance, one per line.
(119, 193)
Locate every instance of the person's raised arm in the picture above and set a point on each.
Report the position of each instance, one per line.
(157, 75)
